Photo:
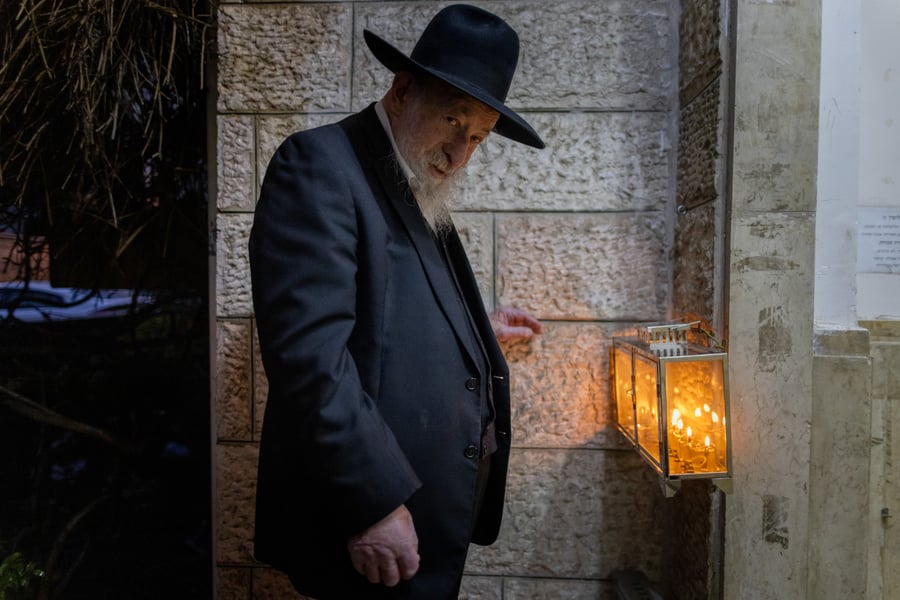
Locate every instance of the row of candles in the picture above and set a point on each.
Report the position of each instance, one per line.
(696, 446)
(696, 440)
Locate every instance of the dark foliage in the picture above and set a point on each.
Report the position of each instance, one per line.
(101, 106)
(104, 424)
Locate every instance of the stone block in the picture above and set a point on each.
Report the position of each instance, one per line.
(839, 460)
(520, 588)
(694, 263)
(233, 380)
(235, 159)
(235, 466)
(593, 162)
(269, 584)
(476, 230)
(700, 33)
(886, 371)
(606, 267)
(699, 162)
(576, 514)
(770, 377)
(573, 55)
(233, 291)
(776, 106)
(481, 588)
(560, 388)
(284, 57)
(232, 583)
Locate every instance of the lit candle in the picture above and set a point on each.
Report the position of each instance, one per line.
(689, 433)
(676, 416)
(697, 412)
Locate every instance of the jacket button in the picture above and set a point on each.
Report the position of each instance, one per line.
(472, 384)
(471, 452)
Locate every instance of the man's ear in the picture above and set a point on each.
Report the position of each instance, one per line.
(398, 94)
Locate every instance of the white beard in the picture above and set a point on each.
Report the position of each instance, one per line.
(434, 196)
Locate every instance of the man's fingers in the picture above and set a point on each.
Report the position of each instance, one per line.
(372, 572)
(408, 565)
(390, 574)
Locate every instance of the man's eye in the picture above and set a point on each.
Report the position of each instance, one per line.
(477, 139)
(453, 121)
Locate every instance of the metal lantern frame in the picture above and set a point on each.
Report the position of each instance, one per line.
(657, 349)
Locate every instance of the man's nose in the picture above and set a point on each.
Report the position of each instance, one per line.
(457, 151)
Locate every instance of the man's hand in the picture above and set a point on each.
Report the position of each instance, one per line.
(513, 324)
(388, 550)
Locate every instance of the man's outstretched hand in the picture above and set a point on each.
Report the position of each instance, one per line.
(388, 551)
(511, 323)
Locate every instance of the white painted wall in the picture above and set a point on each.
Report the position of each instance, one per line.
(838, 169)
(878, 294)
(859, 156)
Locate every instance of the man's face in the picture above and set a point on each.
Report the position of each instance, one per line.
(437, 129)
(445, 127)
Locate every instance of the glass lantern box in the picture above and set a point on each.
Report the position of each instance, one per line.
(671, 403)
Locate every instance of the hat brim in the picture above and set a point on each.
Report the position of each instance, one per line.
(509, 125)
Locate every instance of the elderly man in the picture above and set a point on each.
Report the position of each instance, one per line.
(386, 436)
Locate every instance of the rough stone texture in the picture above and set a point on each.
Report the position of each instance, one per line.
(481, 588)
(232, 583)
(699, 60)
(476, 230)
(284, 57)
(593, 161)
(269, 584)
(233, 291)
(235, 502)
(560, 388)
(693, 286)
(839, 460)
(234, 163)
(558, 589)
(591, 267)
(233, 408)
(576, 513)
(699, 149)
(688, 542)
(606, 55)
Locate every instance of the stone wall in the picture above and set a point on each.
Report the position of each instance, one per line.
(693, 546)
(578, 234)
(771, 270)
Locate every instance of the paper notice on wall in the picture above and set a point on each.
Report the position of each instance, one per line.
(878, 240)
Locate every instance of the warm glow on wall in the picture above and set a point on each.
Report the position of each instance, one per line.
(671, 401)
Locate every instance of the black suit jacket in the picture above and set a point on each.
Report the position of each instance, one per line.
(375, 390)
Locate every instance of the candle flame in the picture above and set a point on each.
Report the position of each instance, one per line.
(715, 417)
(706, 408)
(676, 414)
(707, 441)
(680, 424)
(697, 412)
(689, 432)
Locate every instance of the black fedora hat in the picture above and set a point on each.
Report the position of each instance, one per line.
(472, 50)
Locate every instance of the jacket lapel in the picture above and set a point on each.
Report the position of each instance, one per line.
(396, 191)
